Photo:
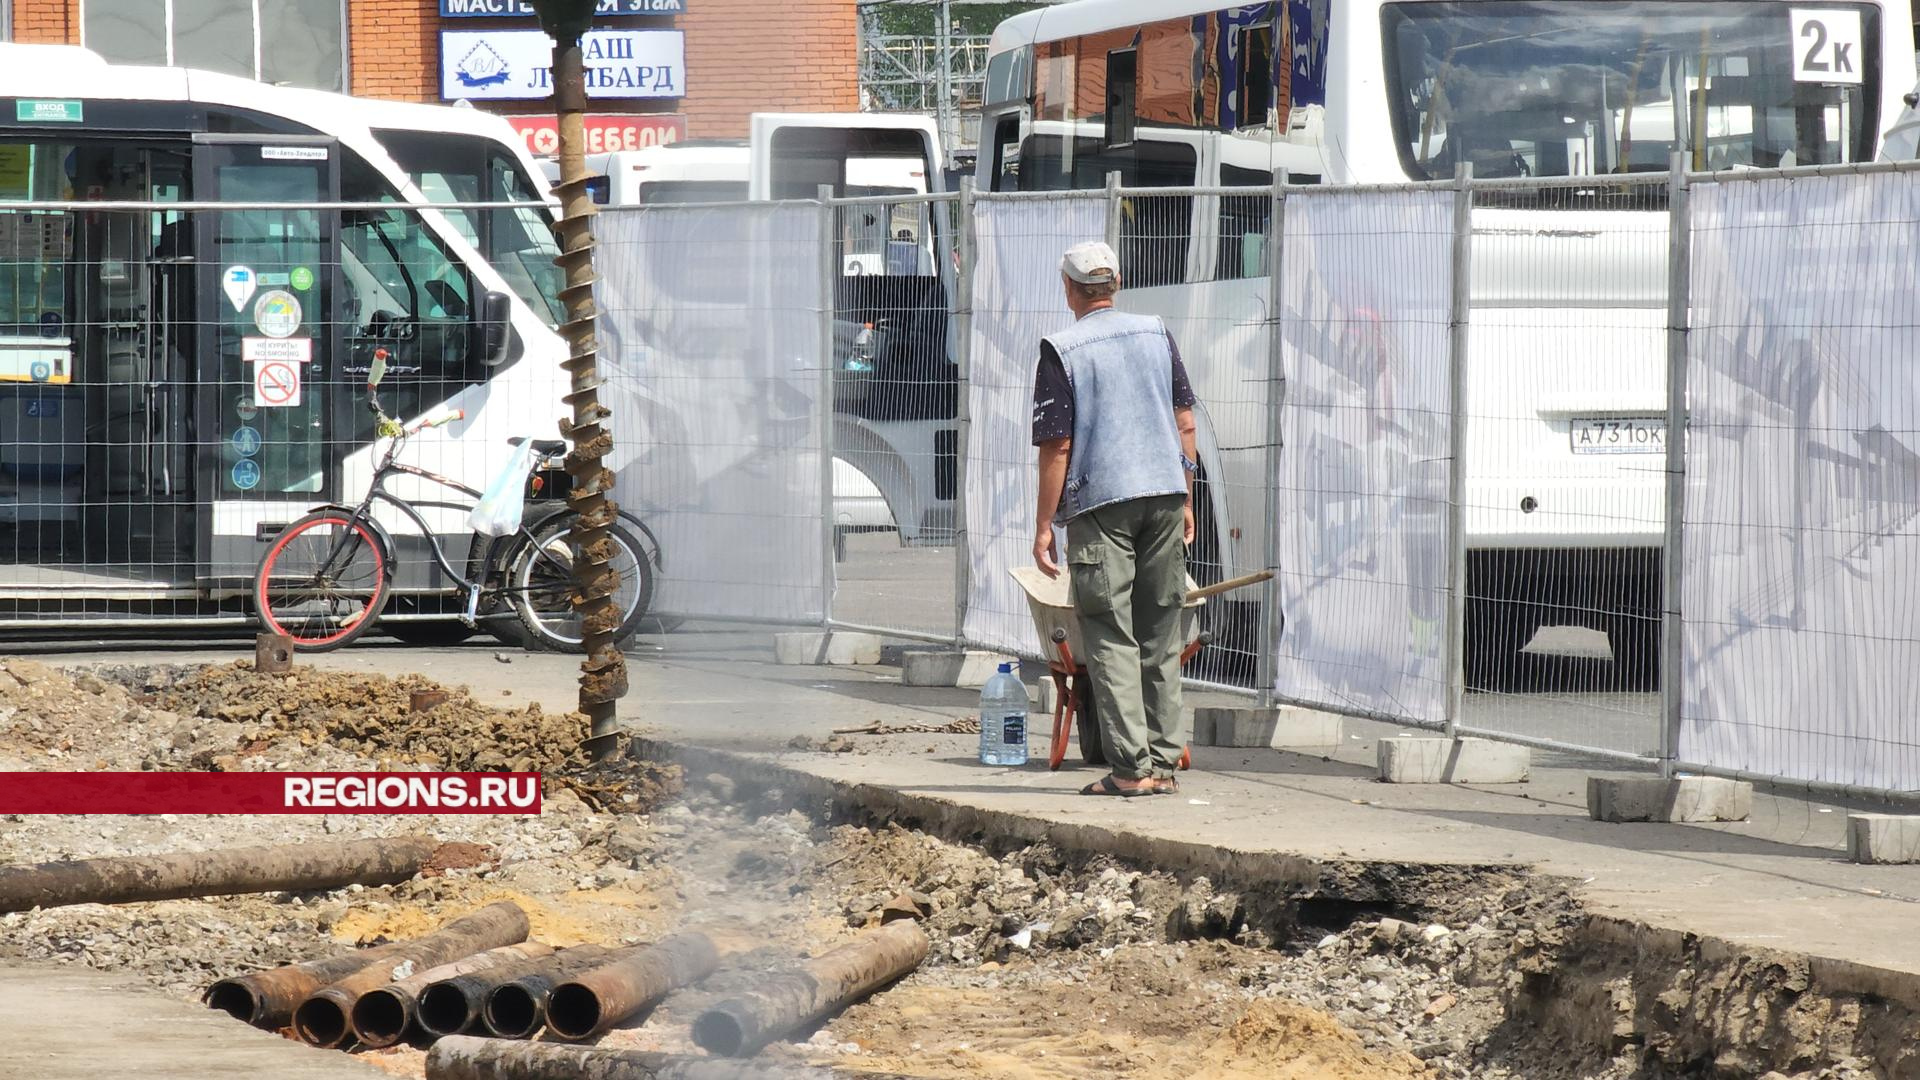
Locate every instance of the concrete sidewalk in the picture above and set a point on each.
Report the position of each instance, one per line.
(1778, 881)
(70, 1023)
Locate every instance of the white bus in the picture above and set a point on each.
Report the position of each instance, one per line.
(142, 468)
(1568, 289)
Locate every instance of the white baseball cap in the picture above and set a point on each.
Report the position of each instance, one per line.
(1091, 263)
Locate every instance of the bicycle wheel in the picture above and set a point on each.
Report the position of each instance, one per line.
(540, 582)
(323, 581)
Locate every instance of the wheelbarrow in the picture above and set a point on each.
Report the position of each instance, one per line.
(1051, 602)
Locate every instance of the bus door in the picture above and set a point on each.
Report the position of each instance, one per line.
(267, 364)
(895, 382)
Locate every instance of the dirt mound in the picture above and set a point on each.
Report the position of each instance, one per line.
(1282, 1040)
(372, 716)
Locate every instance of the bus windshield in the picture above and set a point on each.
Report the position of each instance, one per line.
(464, 168)
(1532, 88)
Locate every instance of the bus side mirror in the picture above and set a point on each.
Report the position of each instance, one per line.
(492, 318)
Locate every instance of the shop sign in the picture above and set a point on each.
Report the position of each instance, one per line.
(517, 65)
(608, 9)
(606, 133)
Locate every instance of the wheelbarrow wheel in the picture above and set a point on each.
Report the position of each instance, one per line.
(1091, 750)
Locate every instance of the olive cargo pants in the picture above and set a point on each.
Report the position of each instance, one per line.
(1129, 569)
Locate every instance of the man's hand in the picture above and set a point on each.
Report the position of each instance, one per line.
(1186, 533)
(1043, 556)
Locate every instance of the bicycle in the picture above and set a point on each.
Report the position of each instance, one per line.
(327, 577)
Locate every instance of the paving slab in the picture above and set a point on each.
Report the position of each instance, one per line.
(71, 1023)
(1779, 880)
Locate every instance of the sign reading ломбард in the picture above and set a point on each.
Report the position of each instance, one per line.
(517, 65)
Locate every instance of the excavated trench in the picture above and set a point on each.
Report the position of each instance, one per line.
(1057, 951)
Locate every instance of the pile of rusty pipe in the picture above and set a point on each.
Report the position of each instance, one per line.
(787, 1002)
(325, 1018)
(589, 1004)
(285, 868)
(450, 1006)
(464, 1057)
(382, 1016)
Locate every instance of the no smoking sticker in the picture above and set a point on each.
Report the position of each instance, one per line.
(276, 384)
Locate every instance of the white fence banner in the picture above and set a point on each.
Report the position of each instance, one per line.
(1802, 523)
(1017, 300)
(1365, 287)
(712, 325)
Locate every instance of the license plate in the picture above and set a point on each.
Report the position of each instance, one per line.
(1618, 435)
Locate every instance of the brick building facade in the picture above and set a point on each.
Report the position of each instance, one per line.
(742, 56)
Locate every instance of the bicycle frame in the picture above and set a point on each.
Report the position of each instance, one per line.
(378, 493)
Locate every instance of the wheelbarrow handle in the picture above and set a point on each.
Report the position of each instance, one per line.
(1228, 585)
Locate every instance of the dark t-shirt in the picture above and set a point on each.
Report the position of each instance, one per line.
(1053, 393)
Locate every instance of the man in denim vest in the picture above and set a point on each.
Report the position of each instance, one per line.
(1113, 420)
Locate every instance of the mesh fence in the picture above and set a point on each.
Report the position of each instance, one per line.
(1565, 468)
(716, 379)
(896, 389)
(1802, 645)
(179, 383)
(1362, 474)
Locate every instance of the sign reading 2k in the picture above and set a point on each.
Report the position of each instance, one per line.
(508, 65)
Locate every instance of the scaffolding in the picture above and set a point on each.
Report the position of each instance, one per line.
(939, 73)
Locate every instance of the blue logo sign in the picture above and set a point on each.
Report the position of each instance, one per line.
(43, 407)
(470, 9)
(246, 474)
(40, 371)
(482, 66)
(246, 441)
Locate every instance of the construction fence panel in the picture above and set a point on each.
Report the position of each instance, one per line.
(1565, 466)
(1017, 300)
(895, 418)
(716, 375)
(1365, 293)
(1198, 260)
(1802, 520)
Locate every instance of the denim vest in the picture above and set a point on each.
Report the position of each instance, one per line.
(1125, 442)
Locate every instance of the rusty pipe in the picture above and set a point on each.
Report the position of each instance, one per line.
(740, 1026)
(285, 867)
(591, 1003)
(464, 1057)
(324, 1018)
(266, 999)
(382, 1016)
(451, 1006)
(515, 1009)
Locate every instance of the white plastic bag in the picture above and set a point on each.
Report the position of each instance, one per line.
(505, 502)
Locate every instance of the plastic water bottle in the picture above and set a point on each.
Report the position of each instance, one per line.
(1003, 719)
